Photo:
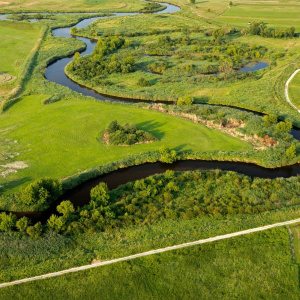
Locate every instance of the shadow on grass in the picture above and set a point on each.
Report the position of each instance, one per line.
(153, 127)
(15, 183)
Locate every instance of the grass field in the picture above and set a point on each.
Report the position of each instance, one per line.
(57, 146)
(17, 40)
(260, 263)
(294, 90)
(70, 6)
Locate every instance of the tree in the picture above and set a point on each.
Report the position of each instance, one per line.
(55, 223)
(23, 223)
(167, 156)
(41, 191)
(230, 3)
(284, 127)
(35, 231)
(100, 195)
(7, 221)
(66, 208)
(226, 68)
(291, 152)
(270, 119)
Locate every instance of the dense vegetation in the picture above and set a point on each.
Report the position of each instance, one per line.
(126, 134)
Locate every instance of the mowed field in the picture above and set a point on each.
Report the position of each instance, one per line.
(17, 40)
(69, 5)
(255, 266)
(275, 14)
(294, 90)
(65, 137)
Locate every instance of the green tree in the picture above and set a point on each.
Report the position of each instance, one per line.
(100, 195)
(284, 127)
(35, 231)
(167, 156)
(7, 221)
(55, 223)
(41, 191)
(185, 101)
(66, 208)
(291, 152)
(23, 223)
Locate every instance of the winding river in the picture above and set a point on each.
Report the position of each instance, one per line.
(80, 195)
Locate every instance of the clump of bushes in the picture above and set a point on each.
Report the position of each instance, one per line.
(143, 82)
(262, 30)
(126, 134)
(187, 100)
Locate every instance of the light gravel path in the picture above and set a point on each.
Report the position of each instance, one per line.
(286, 90)
(151, 252)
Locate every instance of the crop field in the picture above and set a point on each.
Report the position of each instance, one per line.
(260, 263)
(294, 90)
(17, 40)
(70, 6)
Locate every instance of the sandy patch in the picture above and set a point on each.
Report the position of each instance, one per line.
(3, 2)
(13, 167)
(5, 77)
(31, 3)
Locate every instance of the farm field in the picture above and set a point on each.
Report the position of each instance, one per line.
(192, 87)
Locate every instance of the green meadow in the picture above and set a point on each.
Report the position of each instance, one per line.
(70, 6)
(17, 40)
(58, 146)
(255, 266)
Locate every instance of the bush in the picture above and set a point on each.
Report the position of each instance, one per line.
(23, 223)
(284, 127)
(167, 156)
(35, 231)
(291, 152)
(143, 82)
(185, 101)
(42, 191)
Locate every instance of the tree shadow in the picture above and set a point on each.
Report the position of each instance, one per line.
(153, 127)
(15, 183)
(181, 147)
(204, 99)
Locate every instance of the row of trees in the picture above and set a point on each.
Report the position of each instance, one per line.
(259, 28)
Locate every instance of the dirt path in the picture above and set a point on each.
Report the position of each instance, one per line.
(151, 252)
(286, 90)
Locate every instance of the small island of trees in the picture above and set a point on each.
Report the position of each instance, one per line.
(126, 135)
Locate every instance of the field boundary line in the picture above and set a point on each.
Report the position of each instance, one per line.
(286, 90)
(151, 252)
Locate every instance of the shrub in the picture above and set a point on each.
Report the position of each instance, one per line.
(185, 101)
(65, 208)
(55, 223)
(100, 195)
(143, 82)
(35, 231)
(23, 223)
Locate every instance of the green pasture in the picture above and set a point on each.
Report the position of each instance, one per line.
(17, 40)
(294, 90)
(71, 6)
(65, 137)
(273, 15)
(255, 266)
